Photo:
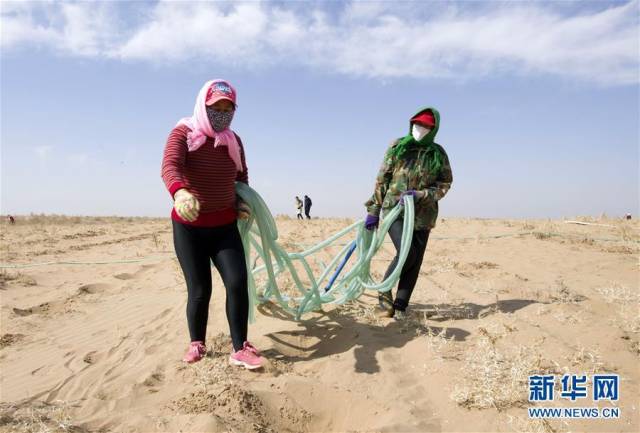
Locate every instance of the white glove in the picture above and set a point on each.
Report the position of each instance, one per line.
(186, 205)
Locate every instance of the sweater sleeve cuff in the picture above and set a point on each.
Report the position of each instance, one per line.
(175, 186)
(373, 210)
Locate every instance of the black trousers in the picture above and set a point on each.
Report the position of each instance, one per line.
(307, 209)
(411, 268)
(196, 248)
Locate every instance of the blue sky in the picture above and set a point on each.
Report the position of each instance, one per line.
(539, 101)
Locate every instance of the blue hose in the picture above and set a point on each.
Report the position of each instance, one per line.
(342, 264)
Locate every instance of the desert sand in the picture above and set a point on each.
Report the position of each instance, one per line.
(97, 347)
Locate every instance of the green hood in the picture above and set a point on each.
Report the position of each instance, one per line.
(431, 135)
(436, 159)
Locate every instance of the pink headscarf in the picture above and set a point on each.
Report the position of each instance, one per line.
(201, 128)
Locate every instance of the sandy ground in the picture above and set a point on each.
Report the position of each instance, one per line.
(97, 347)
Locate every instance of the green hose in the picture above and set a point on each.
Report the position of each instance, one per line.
(260, 233)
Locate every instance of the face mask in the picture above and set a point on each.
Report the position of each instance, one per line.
(419, 131)
(220, 120)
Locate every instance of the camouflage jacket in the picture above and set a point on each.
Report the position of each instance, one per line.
(407, 173)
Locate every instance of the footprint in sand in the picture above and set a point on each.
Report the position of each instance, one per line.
(90, 357)
(130, 276)
(92, 288)
(10, 339)
(154, 380)
(62, 306)
(38, 309)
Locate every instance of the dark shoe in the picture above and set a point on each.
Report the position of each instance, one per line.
(400, 315)
(385, 304)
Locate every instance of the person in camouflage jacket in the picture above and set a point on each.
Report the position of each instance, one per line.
(413, 165)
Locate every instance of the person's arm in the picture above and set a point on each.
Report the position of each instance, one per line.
(172, 172)
(174, 160)
(374, 204)
(443, 182)
(244, 175)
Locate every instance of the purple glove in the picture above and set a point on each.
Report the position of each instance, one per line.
(371, 222)
(412, 192)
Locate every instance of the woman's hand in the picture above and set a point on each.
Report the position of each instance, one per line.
(186, 205)
(244, 211)
(417, 195)
(371, 222)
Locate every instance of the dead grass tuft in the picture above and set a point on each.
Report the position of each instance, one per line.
(496, 377)
(617, 293)
(541, 235)
(563, 295)
(361, 312)
(527, 425)
(588, 361)
(15, 277)
(39, 417)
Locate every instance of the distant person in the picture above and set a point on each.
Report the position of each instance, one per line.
(627, 216)
(413, 165)
(11, 219)
(299, 208)
(307, 206)
(203, 159)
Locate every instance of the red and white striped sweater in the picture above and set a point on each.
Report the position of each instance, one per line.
(208, 173)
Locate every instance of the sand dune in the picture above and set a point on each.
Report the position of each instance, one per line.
(97, 347)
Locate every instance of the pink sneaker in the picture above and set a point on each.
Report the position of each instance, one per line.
(248, 356)
(196, 352)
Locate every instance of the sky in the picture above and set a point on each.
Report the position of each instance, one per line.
(539, 101)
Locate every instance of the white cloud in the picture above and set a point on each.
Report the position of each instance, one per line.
(19, 26)
(81, 29)
(78, 159)
(379, 40)
(43, 152)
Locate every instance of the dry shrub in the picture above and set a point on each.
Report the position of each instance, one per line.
(621, 249)
(563, 295)
(586, 360)
(16, 277)
(572, 318)
(39, 417)
(527, 425)
(456, 310)
(360, 311)
(617, 293)
(627, 233)
(495, 377)
(541, 235)
(583, 240)
(484, 265)
(628, 305)
(442, 265)
(231, 405)
(220, 392)
(438, 343)
(42, 219)
(628, 319)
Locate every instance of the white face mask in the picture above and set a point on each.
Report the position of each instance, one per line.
(419, 131)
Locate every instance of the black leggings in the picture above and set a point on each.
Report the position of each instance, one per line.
(195, 248)
(411, 268)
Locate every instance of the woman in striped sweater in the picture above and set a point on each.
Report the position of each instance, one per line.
(203, 159)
